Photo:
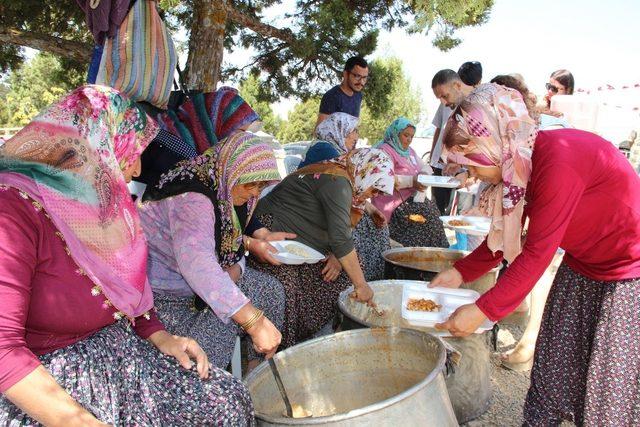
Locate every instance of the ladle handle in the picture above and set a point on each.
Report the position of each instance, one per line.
(283, 393)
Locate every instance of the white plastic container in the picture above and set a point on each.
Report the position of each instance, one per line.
(478, 225)
(438, 181)
(286, 257)
(449, 299)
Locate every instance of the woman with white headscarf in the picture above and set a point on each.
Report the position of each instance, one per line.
(320, 204)
(338, 135)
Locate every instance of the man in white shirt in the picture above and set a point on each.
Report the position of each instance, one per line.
(450, 88)
(441, 195)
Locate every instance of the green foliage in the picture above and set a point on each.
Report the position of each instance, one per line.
(34, 86)
(327, 32)
(390, 96)
(252, 90)
(384, 75)
(54, 18)
(301, 122)
(447, 16)
(4, 112)
(322, 33)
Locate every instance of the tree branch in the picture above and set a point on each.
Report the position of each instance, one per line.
(71, 49)
(266, 30)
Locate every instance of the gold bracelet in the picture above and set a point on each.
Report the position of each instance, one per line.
(246, 246)
(253, 320)
(253, 316)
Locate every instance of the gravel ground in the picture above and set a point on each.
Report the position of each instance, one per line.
(509, 387)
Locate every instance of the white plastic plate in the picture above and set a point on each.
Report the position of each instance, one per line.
(286, 257)
(449, 299)
(438, 181)
(479, 225)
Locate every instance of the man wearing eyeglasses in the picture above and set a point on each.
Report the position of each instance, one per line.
(347, 96)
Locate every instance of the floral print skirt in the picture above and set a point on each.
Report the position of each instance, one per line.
(311, 302)
(370, 242)
(408, 233)
(587, 365)
(123, 380)
(215, 337)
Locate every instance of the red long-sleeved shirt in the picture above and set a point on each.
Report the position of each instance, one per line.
(44, 303)
(583, 196)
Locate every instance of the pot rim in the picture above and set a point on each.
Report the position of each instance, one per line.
(439, 366)
(433, 249)
(345, 294)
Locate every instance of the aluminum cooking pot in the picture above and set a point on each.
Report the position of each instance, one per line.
(366, 377)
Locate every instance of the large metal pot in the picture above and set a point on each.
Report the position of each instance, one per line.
(366, 377)
(469, 386)
(415, 263)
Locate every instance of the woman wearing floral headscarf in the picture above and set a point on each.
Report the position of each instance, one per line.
(321, 203)
(413, 219)
(586, 364)
(75, 303)
(194, 220)
(338, 135)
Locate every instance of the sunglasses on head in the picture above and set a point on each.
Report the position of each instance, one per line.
(552, 88)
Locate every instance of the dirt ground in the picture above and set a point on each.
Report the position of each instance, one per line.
(509, 387)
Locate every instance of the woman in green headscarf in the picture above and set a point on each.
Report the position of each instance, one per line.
(413, 219)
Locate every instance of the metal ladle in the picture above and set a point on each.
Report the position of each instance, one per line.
(283, 393)
(374, 308)
(299, 413)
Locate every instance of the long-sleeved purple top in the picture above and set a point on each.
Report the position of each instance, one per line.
(182, 260)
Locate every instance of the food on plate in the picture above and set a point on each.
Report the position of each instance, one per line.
(459, 223)
(417, 218)
(297, 250)
(422, 304)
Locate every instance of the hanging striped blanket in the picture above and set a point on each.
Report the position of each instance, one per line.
(140, 59)
(206, 118)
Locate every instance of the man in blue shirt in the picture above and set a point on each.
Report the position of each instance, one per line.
(347, 96)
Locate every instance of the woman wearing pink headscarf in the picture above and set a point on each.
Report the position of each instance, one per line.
(586, 364)
(79, 341)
